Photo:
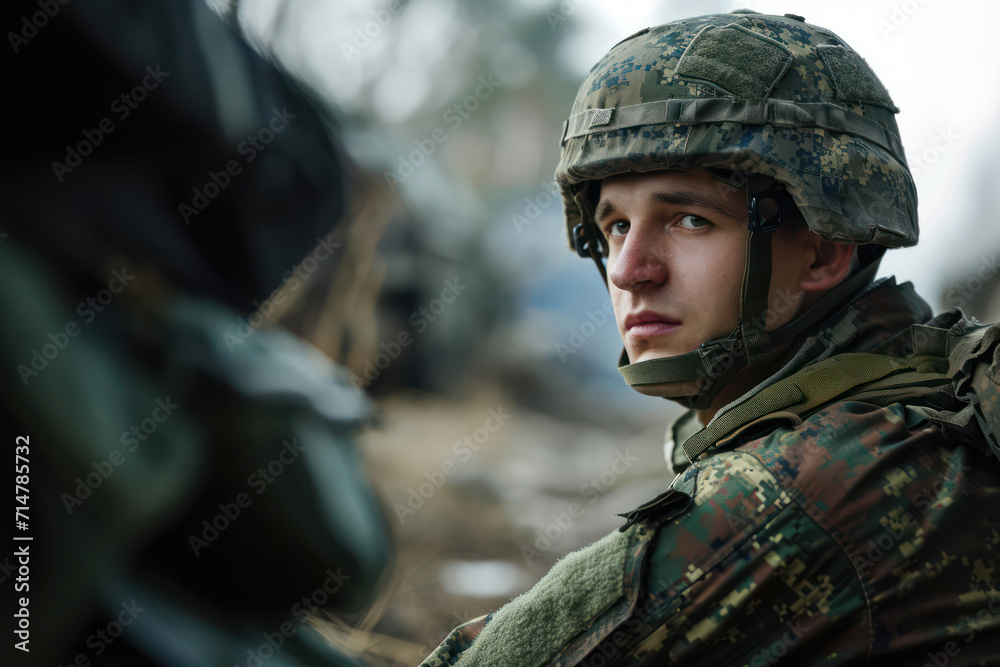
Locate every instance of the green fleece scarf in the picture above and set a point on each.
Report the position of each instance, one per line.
(532, 628)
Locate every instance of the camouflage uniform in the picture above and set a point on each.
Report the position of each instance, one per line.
(844, 510)
(860, 534)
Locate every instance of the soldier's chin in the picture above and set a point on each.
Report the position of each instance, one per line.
(654, 353)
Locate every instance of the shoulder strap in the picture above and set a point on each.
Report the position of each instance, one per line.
(875, 378)
(959, 362)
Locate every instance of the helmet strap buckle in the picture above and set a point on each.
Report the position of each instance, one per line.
(768, 217)
(580, 241)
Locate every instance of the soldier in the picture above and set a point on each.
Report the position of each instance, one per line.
(736, 178)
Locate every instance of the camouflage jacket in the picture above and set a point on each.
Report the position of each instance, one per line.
(860, 534)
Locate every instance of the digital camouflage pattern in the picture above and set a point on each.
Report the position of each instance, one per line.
(756, 93)
(860, 535)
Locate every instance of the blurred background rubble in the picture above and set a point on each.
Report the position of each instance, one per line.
(506, 436)
(529, 333)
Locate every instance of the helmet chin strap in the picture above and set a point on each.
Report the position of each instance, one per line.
(695, 379)
(757, 348)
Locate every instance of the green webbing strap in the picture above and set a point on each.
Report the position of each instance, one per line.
(779, 113)
(753, 302)
(590, 228)
(688, 367)
(876, 375)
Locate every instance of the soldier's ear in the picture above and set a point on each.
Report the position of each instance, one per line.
(830, 264)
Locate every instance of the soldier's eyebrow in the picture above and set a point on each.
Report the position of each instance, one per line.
(604, 207)
(692, 198)
(675, 198)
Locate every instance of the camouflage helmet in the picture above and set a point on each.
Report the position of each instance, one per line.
(755, 93)
(784, 105)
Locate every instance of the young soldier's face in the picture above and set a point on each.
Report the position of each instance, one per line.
(677, 243)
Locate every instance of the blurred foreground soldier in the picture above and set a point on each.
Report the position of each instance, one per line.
(737, 178)
(194, 490)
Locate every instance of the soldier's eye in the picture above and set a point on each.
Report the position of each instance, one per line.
(693, 222)
(619, 228)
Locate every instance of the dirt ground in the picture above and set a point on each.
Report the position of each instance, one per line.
(485, 495)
